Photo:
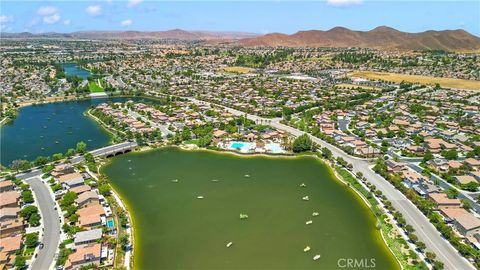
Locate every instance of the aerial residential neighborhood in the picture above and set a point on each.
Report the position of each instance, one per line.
(286, 135)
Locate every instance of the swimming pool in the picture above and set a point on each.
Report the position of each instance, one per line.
(241, 146)
(111, 224)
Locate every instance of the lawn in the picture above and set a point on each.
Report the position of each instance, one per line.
(95, 88)
(238, 69)
(397, 78)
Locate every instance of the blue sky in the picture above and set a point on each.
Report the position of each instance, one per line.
(247, 16)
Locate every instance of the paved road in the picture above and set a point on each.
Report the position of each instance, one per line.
(51, 224)
(33, 173)
(425, 231)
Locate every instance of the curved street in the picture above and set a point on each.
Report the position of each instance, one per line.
(51, 224)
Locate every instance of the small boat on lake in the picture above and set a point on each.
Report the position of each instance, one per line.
(303, 185)
(243, 216)
(315, 214)
(309, 222)
(229, 244)
(306, 198)
(175, 180)
(316, 257)
(200, 197)
(306, 249)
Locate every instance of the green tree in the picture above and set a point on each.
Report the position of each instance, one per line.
(326, 153)
(427, 157)
(302, 143)
(68, 199)
(41, 160)
(81, 147)
(104, 189)
(31, 240)
(27, 196)
(430, 256)
(452, 193)
(28, 211)
(70, 152)
(450, 154)
(20, 262)
(124, 242)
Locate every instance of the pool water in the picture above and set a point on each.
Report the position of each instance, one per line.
(237, 145)
(242, 146)
(111, 224)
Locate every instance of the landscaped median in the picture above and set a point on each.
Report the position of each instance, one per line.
(407, 257)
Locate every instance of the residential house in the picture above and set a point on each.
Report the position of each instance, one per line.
(84, 255)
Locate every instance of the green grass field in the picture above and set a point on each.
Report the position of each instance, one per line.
(95, 88)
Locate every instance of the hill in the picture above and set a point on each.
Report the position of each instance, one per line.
(379, 38)
(176, 34)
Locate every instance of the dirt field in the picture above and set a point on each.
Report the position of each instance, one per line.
(238, 69)
(393, 77)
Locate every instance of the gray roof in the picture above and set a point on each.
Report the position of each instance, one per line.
(86, 236)
(75, 181)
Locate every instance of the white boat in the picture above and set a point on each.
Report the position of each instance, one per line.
(229, 244)
(307, 248)
(309, 222)
(316, 257)
(303, 185)
(175, 180)
(306, 198)
(214, 180)
(199, 197)
(315, 214)
(243, 216)
(247, 175)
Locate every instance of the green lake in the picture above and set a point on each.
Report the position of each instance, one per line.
(174, 229)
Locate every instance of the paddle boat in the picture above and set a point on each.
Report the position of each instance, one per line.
(306, 249)
(306, 198)
(315, 214)
(229, 244)
(309, 222)
(316, 257)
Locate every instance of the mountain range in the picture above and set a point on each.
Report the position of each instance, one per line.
(177, 34)
(383, 38)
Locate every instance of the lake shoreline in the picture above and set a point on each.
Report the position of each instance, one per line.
(142, 150)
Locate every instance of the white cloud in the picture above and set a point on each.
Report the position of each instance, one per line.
(127, 22)
(51, 19)
(6, 19)
(344, 3)
(66, 22)
(94, 10)
(133, 3)
(47, 10)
